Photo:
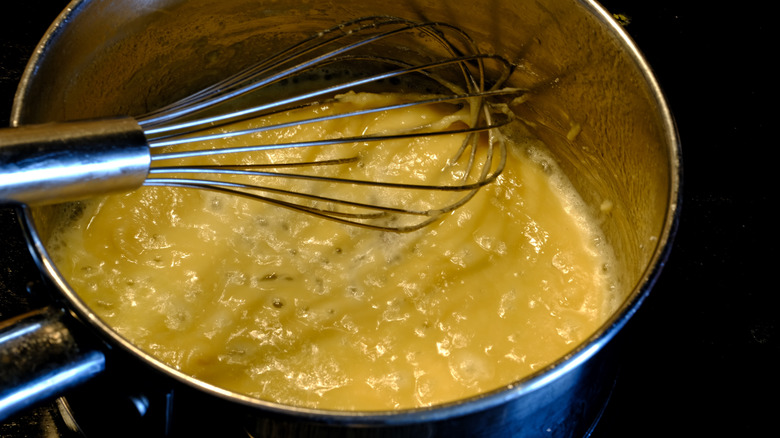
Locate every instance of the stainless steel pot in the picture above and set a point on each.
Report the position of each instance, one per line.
(594, 101)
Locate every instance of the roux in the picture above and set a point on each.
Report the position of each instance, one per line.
(303, 311)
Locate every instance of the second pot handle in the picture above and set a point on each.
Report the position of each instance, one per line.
(40, 359)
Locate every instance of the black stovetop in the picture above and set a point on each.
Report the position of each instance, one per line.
(699, 361)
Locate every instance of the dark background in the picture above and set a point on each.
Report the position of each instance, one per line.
(700, 353)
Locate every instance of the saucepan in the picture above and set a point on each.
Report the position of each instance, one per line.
(594, 102)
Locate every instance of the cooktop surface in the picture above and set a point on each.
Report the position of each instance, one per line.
(698, 360)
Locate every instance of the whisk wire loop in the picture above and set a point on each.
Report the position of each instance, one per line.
(155, 131)
(265, 73)
(445, 60)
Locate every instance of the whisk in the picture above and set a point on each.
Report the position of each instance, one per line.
(430, 63)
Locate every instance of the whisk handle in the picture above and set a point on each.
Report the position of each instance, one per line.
(56, 162)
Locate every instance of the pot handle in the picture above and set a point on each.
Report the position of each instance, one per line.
(39, 359)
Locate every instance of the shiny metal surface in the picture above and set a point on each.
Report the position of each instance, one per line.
(40, 359)
(431, 64)
(59, 162)
(594, 102)
(587, 81)
(436, 65)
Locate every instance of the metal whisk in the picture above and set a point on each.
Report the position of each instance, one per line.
(429, 63)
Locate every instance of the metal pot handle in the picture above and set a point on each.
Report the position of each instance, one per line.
(40, 359)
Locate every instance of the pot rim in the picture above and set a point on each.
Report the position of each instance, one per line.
(584, 351)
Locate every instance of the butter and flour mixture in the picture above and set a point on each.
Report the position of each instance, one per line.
(299, 310)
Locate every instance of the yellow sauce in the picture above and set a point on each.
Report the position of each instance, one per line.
(290, 308)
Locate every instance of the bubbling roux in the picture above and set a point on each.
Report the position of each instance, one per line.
(303, 311)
